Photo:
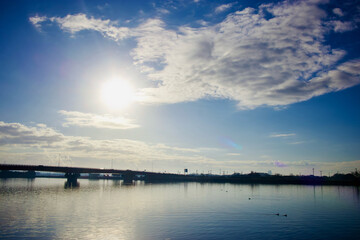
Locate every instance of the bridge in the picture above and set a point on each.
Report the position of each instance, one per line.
(128, 176)
(73, 173)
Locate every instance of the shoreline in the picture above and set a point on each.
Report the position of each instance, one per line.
(252, 178)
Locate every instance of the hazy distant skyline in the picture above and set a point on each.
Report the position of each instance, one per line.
(166, 85)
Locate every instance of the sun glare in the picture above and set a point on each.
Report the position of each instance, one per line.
(117, 94)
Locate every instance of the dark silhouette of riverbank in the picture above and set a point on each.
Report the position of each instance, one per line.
(260, 178)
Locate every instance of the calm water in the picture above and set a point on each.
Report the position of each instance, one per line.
(43, 209)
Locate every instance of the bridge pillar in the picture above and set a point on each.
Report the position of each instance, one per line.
(128, 177)
(71, 180)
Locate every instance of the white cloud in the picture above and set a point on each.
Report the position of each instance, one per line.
(223, 8)
(123, 149)
(274, 55)
(37, 20)
(98, 121)
(22, 143)
(79, 22)
(103, 6)
(338, 12)
(202, 22)
(247, 58)
(18, 134)
(282, 135)
(340, 26)
(163, 11)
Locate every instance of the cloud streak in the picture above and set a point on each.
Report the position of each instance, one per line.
(80, 119)
(282, 135)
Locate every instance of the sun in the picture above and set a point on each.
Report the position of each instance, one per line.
(117, 94)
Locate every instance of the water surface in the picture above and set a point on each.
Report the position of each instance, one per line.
(103, 209)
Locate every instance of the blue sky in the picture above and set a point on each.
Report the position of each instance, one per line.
(166, 85)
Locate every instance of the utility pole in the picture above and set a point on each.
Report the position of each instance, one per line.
(313, 172)
(320, 173)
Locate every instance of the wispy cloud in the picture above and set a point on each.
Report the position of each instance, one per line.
(103, 6)
(202, 22)
(296, 143)
(223, 7)
(338, 12)
(79, 22)
(162, 11)
(273, 55)
(98, 121)
(340, 26)
(37, 20)
(234, 154)
(282, 135)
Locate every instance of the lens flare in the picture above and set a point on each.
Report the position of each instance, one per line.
(228, 143)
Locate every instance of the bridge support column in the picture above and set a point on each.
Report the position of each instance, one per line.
(128, 177)
(71, 180)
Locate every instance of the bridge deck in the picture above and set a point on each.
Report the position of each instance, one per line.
(59, 169)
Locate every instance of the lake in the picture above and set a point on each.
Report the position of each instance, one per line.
(105, 209)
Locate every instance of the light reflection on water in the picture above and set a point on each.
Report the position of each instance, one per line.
(43, 209)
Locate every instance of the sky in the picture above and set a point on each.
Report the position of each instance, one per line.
(211, 86)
